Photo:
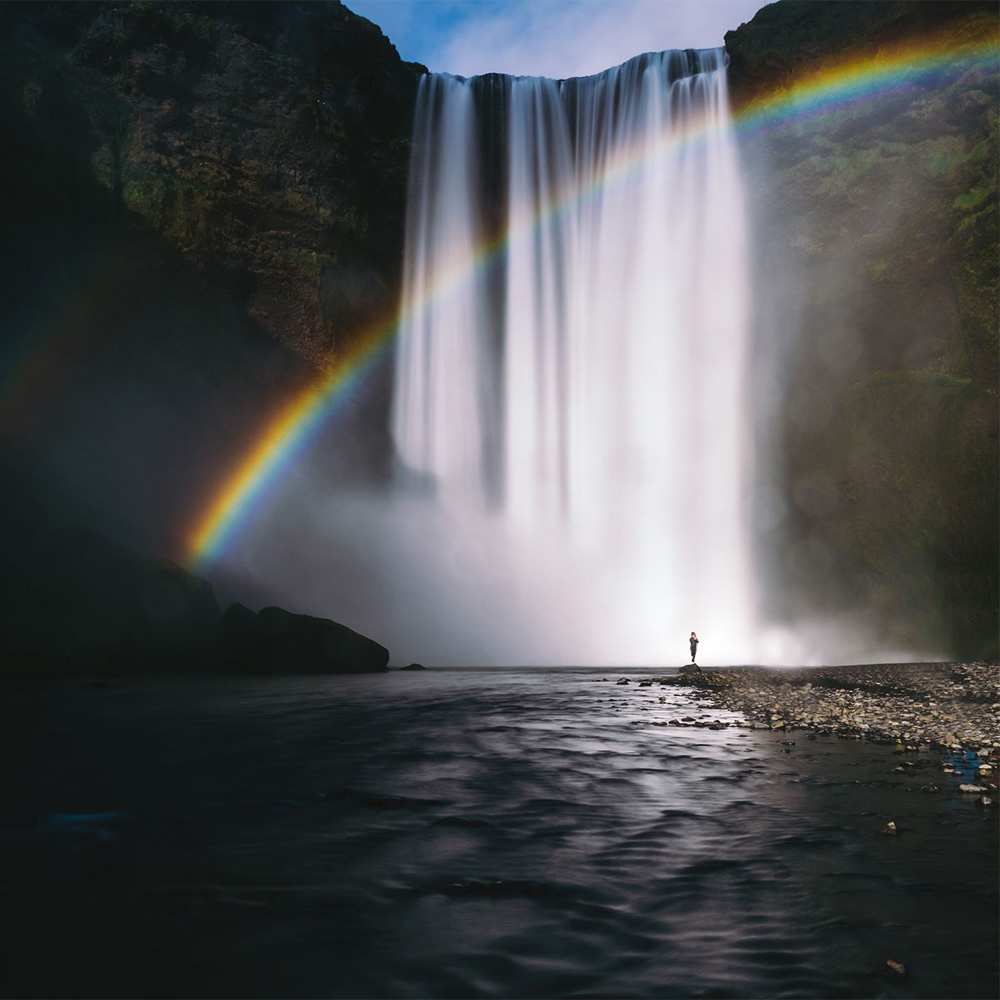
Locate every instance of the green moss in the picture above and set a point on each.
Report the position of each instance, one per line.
(970, 200)
(918, 376)
(984, 151)
(877, 270)
(145, 195)
(844, 171)
(940, 157)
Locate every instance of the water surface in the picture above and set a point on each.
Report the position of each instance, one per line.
(532, 833)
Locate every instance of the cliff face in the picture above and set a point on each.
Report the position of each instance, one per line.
(876, 285)
(203, 203)
(267, 142)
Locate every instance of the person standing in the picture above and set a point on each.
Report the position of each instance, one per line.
(694, 646)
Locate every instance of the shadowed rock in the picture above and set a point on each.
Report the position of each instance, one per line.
(277, 641)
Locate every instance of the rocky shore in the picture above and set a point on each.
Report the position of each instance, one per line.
(913, 706)
(950, 705)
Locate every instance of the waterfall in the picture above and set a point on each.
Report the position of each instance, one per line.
(570, 365)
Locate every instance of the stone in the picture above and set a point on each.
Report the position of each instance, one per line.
(895, 967)
(413, 666)
(277, 641)
(973, 789)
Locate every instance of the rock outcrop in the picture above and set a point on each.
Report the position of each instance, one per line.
(75, 600)
(277, 641)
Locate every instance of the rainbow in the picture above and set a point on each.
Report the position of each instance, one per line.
(287, 432)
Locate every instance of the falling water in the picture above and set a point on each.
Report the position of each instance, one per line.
(570, 365)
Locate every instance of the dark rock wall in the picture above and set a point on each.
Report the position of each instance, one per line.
(203, 204)
(876, 283)
(267, 142)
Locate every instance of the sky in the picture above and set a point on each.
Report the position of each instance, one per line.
(555, 38)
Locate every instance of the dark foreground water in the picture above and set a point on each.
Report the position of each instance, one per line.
(456, 834)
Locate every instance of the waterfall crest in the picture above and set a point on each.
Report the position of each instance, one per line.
(570, 366)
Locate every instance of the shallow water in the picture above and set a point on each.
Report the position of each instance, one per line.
(531, 833)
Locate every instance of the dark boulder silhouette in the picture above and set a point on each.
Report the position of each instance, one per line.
(277, 641)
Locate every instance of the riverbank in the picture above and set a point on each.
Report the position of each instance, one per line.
(949, 705)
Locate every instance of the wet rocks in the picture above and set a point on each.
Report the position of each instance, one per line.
(911, 706)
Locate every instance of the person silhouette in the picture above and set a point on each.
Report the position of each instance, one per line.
(694, 645)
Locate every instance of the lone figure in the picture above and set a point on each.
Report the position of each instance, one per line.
(694, 645)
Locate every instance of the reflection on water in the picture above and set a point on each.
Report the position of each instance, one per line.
(466, 834)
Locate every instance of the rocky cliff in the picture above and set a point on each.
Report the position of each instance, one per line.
(203, 203)
(877, 287)
(268, 143)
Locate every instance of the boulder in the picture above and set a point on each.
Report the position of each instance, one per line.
(690, 668)
(414, 666)
(277, 641)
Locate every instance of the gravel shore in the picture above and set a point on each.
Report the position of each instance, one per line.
(949, 705)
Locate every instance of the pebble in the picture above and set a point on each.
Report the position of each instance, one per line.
(897, 967)
(916, 706)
